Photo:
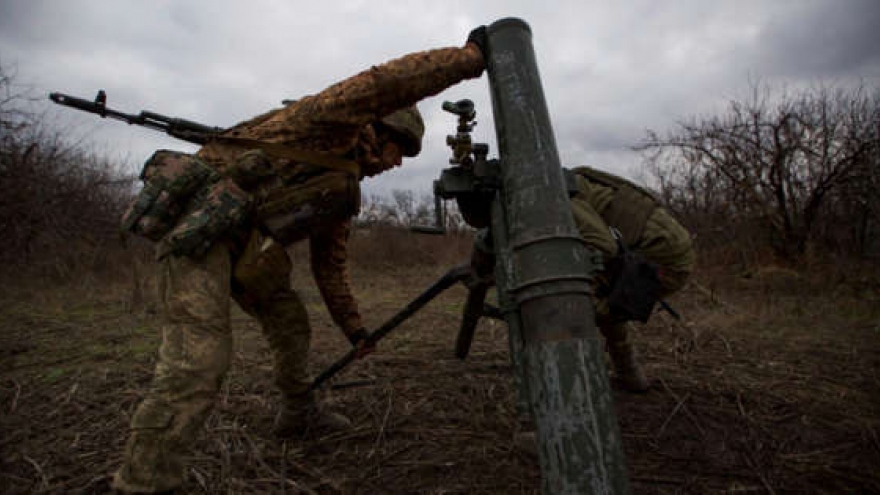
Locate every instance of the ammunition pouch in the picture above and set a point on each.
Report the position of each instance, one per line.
(214, 211)
(290, 212)
(170, 179)
(633, 288)
(251, 169)
(185, 204)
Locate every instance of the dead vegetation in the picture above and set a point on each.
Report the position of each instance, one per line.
(765, 387)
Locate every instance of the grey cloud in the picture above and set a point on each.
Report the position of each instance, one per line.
(610, 70)
(831, 39)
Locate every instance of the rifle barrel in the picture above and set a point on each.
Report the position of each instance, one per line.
(186, 130)
(73, 101)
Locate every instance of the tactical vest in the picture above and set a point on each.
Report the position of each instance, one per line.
(290, 209)
(313, 187)
(187, 205)
(630, 207)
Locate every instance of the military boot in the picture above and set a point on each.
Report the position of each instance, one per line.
(301, 414)
(626, 367)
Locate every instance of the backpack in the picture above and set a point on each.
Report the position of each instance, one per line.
(634, 287)
(630, 208)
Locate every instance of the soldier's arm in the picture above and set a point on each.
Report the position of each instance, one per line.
(376, 92)
(382, 89)
(584, 207)
(329, 263)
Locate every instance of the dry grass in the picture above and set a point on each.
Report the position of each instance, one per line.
(767, 386)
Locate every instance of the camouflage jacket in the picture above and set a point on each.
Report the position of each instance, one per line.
(331, 121)
(604, 200)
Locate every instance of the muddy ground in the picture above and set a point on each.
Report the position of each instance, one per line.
(767, 386)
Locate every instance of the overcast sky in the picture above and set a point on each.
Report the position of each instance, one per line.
(610, 69)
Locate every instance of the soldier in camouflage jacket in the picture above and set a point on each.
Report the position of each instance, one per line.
(368, 119)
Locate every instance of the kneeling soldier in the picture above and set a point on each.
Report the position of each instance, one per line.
(617, 217)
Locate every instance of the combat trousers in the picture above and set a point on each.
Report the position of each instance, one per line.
(261, 287)
(196, 352)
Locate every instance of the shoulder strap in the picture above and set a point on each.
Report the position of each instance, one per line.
(279, 150)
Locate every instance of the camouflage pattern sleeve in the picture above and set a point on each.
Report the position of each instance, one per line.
(331, 120)
(382, 89)
(329, 254)
(585, 207)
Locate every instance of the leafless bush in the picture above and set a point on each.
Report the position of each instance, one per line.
(59, 203)
(403, 209)
(790, 169)
(385, 237)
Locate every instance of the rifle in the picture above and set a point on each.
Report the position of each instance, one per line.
(186, 130)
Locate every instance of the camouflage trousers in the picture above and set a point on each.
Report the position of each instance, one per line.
(196, 352)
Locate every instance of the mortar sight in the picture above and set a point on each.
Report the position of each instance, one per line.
(463, 108)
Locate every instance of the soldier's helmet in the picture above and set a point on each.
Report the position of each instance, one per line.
(408, 124)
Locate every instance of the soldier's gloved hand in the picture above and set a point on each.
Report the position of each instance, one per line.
(359, 339)
(480, 38)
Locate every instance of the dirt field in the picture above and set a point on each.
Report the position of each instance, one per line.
(768, 386)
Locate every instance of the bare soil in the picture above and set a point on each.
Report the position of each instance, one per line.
(770, 384)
